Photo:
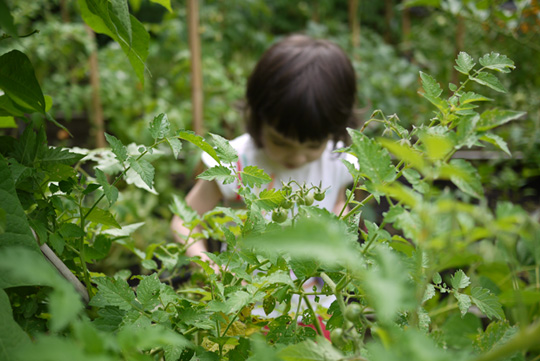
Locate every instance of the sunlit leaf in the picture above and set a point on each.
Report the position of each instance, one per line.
(465, 63)
(496, 117)
(489, 80)
(487, 303)
(218, 173)
(497, 62)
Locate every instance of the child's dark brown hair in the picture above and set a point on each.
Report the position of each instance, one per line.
(304, 88)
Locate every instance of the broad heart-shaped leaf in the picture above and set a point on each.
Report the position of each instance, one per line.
(111, 192)
(459, 280)
(22, 267)
(113, 292)
(465, 63)
(6, 20)
(17, 231)
(495, 117)
(497, 62)
(199, 141)
(269, 199)
(218, 173)
(224, 150)
(19, 83)
(104, 18)
(144, 169)
(12, 336)
(464, 176)
(373, 160)
(430, 85)
(487, 303)
(253, 176)
(489, 80)
(119, 149)
(159, 126)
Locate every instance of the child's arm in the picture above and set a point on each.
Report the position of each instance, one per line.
(203, 197)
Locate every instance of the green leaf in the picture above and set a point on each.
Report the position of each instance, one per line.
(113, 292)
(16, 228)
(465, 63)
(219, 173)
(99, 249)
(497, 62)
(175, 144)
(144, 169)
(121, 10)
(12, 337)
(373, 160)
(199, 141)
(429, 293)
(269, 199)
(437, 146)
(55, 155)
(464, 176)
(224, 150)
(6, 20)
(22, 267)
(309, 350)
(497, 141)
(182, 210)
(7, 122)
(148, 291)
(496, 117)
(101, 216)
(109, 20)
(404, 152)
(487, 303)
(460, 280)
(497, 333)
(430, 85)
(489, 80)
(119, 149)
(19, 83)
(111, 192)
(471, 97)
(437, 278)
(160, 126)
(253, 176)
(165, 3)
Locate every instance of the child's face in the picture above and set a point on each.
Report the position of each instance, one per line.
(288, 152)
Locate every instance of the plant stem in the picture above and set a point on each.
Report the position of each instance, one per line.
(317, 322)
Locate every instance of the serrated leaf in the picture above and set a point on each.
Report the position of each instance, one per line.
(400, 192)
(496, 117)
(199, 141)
(497, 62)
(471, 97)
(437, 278)
(269, 199)
(465, 63)
(489, 80)
(119, 149)
(224, 150)
(497, 141)
(404, 152)
(219, 173)
(175, 144)
(182, 210)
(308, 350)
(430, 85)
(487, 303)
(19, 82)
(460, 280)
(437, 146)
(159, 126)
(111, 192)
(253, 176)
(464, 176)
(53, 155)
(144, 169)
(101, 216)
(148, 291)
(113, 292)
(121, 10)
(428, 293)
(373, 160)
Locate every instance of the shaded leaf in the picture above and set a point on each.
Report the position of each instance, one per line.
(495, 117)
(119, 149)
(199, 141)
(459, 280)
(159, 126)
(487, 303)
(489, 80)
(113, 292)
(144, 169)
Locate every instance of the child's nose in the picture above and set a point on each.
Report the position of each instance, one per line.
(297, 159)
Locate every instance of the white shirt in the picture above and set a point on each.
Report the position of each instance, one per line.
(328, 170)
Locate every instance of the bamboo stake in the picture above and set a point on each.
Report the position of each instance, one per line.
(354, 23)
(196, 66)
(460, 41)
(96, 108)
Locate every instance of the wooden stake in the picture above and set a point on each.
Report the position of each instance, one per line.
(196, 65)
(354, 23)
(96, 108)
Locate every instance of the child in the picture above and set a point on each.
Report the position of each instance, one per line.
(300, 100)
